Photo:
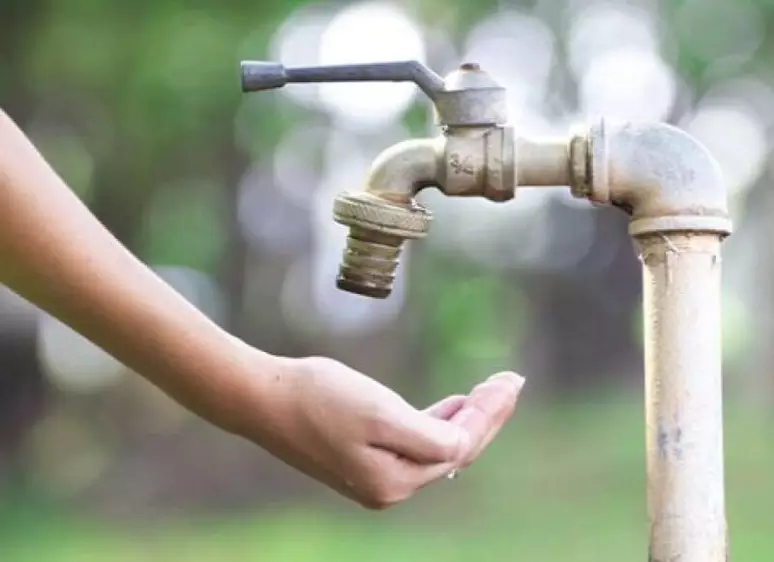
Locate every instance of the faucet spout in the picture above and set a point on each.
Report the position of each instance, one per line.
(385, 214)
(466, 161)
(402, 170)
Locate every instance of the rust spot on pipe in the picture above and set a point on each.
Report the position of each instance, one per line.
(669, 444)
(662, 439)
(677, 447)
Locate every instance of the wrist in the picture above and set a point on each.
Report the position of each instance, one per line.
(250, 390)
(216, 376)
(262, 410)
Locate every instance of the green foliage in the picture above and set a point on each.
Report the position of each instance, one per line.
(474, 326)
(184, 226)
(72, 160)
(158, 84)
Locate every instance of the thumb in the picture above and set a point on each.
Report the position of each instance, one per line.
(487, 409)
(446, 409)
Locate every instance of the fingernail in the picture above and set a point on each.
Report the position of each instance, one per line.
(513, 378)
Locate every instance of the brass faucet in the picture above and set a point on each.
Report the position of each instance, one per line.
(476, 154)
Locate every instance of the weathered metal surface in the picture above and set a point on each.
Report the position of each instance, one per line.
(683, 396)
(478, 162)
(542, 162)
(377, 230)
(664, 178)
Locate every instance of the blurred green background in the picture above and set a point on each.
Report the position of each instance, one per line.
(138, 106)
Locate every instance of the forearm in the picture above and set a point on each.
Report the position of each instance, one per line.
(57, 255)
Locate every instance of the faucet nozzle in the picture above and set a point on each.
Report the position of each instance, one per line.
(377, 230)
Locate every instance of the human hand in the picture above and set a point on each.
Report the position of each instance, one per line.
(335, 424)
(360, 438)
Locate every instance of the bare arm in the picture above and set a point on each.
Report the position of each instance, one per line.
(55, 253)
(333, 423)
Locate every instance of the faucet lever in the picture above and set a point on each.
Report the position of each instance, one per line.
(264, 75)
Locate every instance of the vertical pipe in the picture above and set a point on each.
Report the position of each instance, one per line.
(685, 480)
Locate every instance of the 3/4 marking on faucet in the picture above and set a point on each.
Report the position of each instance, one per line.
(461, 165)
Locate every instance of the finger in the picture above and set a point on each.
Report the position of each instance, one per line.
(481, 416)
(491, 405)
(400, 478)
(418, 436)
(446, 408)
(475, 453)
(386, 480)
(428, 474)
(486, 410)
(494, 431)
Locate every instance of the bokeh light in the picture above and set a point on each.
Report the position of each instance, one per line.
(603, 28)
(366, 33)
(735, 135)
(71, 362)
(627, 85)
(517, 50)
(297, 43)
(270, 220)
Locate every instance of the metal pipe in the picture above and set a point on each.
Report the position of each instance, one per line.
(542, 162)
(684, 419)
(673, 190)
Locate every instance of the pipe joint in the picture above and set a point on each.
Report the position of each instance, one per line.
(661, 176)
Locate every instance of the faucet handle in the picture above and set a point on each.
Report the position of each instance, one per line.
(468, 97)
(264, 75)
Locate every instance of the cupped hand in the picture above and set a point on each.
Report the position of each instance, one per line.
(363, 440)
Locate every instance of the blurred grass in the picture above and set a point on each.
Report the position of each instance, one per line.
(565, 483)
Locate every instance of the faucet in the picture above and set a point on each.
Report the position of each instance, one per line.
(668, 184)
(476, 154)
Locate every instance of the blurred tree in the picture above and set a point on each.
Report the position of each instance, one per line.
(22, 386)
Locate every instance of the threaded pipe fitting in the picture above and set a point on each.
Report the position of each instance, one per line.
(377, 230)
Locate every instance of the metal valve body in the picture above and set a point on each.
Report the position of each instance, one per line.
(473, 156)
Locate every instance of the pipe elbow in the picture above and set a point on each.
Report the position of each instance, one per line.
(663, 177)
(403, 169)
